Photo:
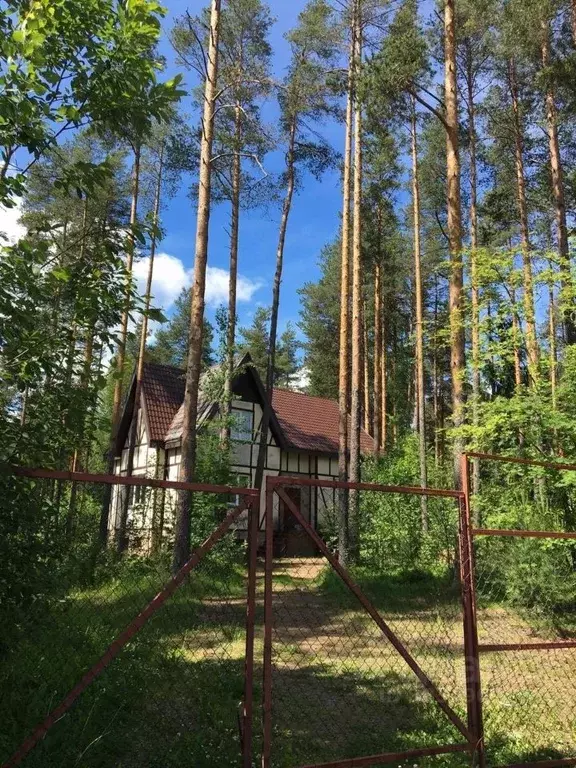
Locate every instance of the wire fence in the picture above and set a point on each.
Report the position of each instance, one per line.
(525, 577)
(377, 657)
(365, 660)
(529, 688)
(173, 693)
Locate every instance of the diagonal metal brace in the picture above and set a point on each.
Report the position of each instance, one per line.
(371, 610)
(124, 637)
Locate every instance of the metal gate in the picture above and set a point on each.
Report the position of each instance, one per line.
(191, 634)
(527, 647)
(331, 661)
(356, 670)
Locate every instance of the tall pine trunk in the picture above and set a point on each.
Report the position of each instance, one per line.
(384, 380)
(366, 380)
(232, 289)
(344, 361)
(529, 310)
(552, 346)
(121, 351)
(557, 175)
(377, 380)
(121, 537)
(194, 362)
(516, 341)
(356, 373)
(419, 306)
(474, 284)
(286, 208)
(457, 340)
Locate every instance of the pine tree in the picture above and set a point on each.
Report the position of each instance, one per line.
(240, 138)
(169, 345)
(195, 345)
(256, 339)
(305, 100)
(320, 319)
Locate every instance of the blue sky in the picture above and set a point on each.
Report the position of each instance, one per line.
(314, 219)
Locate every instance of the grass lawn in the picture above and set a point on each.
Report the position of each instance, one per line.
(171, 698)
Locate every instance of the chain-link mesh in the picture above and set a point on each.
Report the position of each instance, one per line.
(340, 689)
(525, 595)
(172, 696)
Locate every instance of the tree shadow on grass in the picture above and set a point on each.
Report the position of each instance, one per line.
(171, 698)
(167, 703)
(320, 717)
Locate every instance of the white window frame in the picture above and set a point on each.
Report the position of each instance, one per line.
(242, 429)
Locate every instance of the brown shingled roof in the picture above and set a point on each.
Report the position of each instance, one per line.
(163, 387)
(307, 423)
(311, 423)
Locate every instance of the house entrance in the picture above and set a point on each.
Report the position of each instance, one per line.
(292, 539)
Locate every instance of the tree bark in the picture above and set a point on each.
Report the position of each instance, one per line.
(474, 286)
(121, 538)
(234, 233)
(529, 311)
(435, 377)
(366, 387)
(457, 340)
(384, 384)
(419, 325)
(121, 353)
(194, 362)
(557, 175)
(343, 377)
(356, 373)
(286, 208)
(552, 345)
(394, 378)
(377, 381)
(516, 335)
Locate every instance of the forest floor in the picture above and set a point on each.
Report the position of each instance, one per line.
(172, 696)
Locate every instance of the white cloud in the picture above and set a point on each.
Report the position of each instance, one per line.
(167, 281)
(170, 276)
(217, 282)
(10, 226)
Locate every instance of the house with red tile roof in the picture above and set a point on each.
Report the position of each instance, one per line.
(302, 441)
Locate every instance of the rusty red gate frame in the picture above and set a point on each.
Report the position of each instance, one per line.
(473, 730)
(249, 501)
(472, 532)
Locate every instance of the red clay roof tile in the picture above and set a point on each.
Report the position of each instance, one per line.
(163, 387)
(308, 423)
(311, 423)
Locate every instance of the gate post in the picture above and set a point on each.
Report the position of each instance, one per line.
(267, 677)
(248, 713)
(468, 587)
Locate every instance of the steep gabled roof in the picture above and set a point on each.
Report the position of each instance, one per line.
(300, 422)
(311, 423)
(163, 387)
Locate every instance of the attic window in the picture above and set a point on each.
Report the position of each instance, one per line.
(241, 425)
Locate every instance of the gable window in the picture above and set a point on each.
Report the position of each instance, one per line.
(242, 423)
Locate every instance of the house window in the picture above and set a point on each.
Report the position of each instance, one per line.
(241, 425)
(138, 494)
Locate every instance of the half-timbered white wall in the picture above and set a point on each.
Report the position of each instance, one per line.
(164, 463)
